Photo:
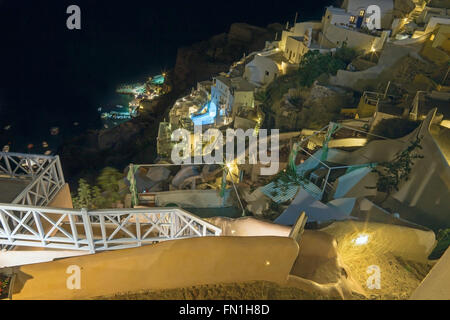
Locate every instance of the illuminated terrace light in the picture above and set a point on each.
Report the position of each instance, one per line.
(361, 239)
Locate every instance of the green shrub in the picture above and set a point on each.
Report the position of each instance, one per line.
(443, 238)
(105, 195)
(346, 54)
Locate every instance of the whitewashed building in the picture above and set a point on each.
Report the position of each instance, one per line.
(262, 70)
(299, 39)
(358, 11)
(349, 25)
(229, 94)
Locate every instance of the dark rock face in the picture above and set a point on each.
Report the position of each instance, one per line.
(130, 142)
(135, 141)
(204, 59)
(117, 138)
(403, 7)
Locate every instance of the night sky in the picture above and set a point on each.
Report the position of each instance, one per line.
(52, 76)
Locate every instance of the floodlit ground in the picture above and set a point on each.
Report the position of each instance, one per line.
(260, 290)
(399, 277)
(381, 245)
(399, 253)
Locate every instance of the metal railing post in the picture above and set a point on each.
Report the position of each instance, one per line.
(172, 224)
(88, 229)
(59, 169)
(8, 165)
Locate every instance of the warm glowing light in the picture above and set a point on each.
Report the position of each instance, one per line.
(372, 49)
(361, 239)
(267, 263)
(432, 37)
(445, 123)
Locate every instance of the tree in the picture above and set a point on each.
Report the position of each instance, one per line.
(314, 64)
(392, 173)
(346, 54)
(84, 196)
(105, 195)
(109, 182)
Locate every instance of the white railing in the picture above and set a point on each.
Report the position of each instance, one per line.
(97, 230)
(44, 174)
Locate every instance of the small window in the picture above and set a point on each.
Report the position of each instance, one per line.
(362, 13)
(267, 73)
(352, 19)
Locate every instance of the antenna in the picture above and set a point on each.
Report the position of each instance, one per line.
(296, 16)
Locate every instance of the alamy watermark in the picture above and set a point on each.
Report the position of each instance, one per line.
(374, 280)
(73, 281)
(74, 20)
(374, 20)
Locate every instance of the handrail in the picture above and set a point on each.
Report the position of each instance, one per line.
(29, 155)
(97, 230)
(48, 167)
(22, 197)
(8, 156)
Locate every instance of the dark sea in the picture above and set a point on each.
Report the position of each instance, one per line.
(51, 76)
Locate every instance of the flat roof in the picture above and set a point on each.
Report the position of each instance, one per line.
(298, 38)
(225, 80)
(238, 83)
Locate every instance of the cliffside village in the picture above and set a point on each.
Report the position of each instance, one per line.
(232, 100)
(347, 195)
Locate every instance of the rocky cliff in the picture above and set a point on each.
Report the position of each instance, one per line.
(201, 60)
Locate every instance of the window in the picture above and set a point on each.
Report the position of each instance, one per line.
(361, 13)
(267, 73)
(352, 19)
